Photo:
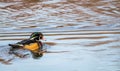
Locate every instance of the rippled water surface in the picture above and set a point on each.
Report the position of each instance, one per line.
(82, 35)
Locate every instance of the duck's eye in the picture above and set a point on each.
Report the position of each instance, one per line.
(40, 37)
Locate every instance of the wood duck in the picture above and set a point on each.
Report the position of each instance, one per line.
(33, 43)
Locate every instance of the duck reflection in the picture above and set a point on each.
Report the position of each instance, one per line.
(37, 55)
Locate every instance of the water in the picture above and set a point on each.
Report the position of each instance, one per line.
(83, 35)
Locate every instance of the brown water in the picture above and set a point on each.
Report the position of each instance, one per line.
(83, 35)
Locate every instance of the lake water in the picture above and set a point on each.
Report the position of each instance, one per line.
(81, 35)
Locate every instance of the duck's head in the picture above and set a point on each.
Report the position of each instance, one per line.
(37, 36)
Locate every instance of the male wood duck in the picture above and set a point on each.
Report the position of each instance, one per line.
(33, 43)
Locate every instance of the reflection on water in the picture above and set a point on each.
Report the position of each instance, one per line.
(83, 35)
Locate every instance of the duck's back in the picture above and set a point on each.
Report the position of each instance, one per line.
(26, 42)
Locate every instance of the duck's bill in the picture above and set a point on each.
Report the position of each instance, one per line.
(43, 38)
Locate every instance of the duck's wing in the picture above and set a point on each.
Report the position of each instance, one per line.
(16, 45)
(22, 43)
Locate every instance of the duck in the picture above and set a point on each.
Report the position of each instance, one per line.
(33, 43)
